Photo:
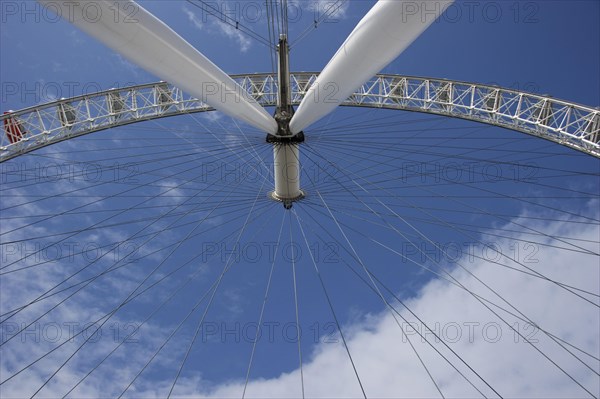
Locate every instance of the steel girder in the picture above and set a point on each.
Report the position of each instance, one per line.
(564, 122)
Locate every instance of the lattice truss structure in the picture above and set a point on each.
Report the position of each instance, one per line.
(567, 123)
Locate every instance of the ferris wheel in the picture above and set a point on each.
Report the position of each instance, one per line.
(379, 235)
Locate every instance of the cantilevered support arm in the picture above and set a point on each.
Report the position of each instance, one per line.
(139, 36)
(387, 29)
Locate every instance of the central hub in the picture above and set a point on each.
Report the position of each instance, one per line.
(286, 148)
(283, 116)
(286, 168)
(286, 165)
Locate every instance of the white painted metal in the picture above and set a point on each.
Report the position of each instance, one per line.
(564, 122)
(287, 172)
(387, 29)
(139, 36)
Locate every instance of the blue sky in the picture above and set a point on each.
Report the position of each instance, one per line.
(190, 187)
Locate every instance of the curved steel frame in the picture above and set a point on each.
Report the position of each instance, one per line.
(564, 122)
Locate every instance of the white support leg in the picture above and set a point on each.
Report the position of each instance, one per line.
(287, 173)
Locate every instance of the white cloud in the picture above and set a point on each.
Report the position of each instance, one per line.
(193, 18)
(236, 35)
(77, 39)
(121, 62)
(389, 368)
(215, 25)
(211, 117)
(58, 67)
(385, 361)
(325, 10)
